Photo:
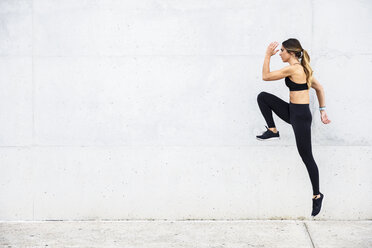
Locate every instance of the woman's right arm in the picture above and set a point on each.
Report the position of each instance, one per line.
(320, 94)
(319, 91)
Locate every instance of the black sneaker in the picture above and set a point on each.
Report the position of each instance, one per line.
(317, 205)
(268, 135)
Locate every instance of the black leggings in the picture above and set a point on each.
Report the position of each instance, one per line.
(299, 116)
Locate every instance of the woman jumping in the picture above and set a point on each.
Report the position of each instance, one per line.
(299, 79)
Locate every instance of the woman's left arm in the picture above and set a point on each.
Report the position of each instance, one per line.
(268, 75)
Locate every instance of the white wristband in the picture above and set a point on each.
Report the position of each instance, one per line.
(322, 108)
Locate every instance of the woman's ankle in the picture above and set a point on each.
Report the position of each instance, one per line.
(273, 129)
(316, 196)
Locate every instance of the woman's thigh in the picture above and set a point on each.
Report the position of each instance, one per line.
(278, 105)
(301, 123)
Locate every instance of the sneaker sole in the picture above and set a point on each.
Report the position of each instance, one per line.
(273, 138)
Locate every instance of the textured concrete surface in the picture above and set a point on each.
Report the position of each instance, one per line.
(93, 183)
(192, 234)
(147, 109)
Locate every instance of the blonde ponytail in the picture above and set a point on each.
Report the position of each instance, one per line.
(305, 61)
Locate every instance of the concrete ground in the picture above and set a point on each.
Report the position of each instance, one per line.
(193, 234)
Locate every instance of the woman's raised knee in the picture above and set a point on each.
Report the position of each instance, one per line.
(261, 95)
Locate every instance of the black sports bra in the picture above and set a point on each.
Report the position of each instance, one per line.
(294, 86)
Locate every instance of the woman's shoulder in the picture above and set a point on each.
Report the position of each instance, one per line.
(298, 69)
(298, 73)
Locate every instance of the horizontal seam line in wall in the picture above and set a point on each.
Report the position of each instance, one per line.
(164, 55)
(181, 220)
(135, 55)
(31, 146)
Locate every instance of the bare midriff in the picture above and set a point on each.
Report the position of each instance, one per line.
(299, 97)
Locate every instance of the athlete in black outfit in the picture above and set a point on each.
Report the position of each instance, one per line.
(297, 111)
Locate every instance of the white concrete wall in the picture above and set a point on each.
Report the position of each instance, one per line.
(147, 110)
